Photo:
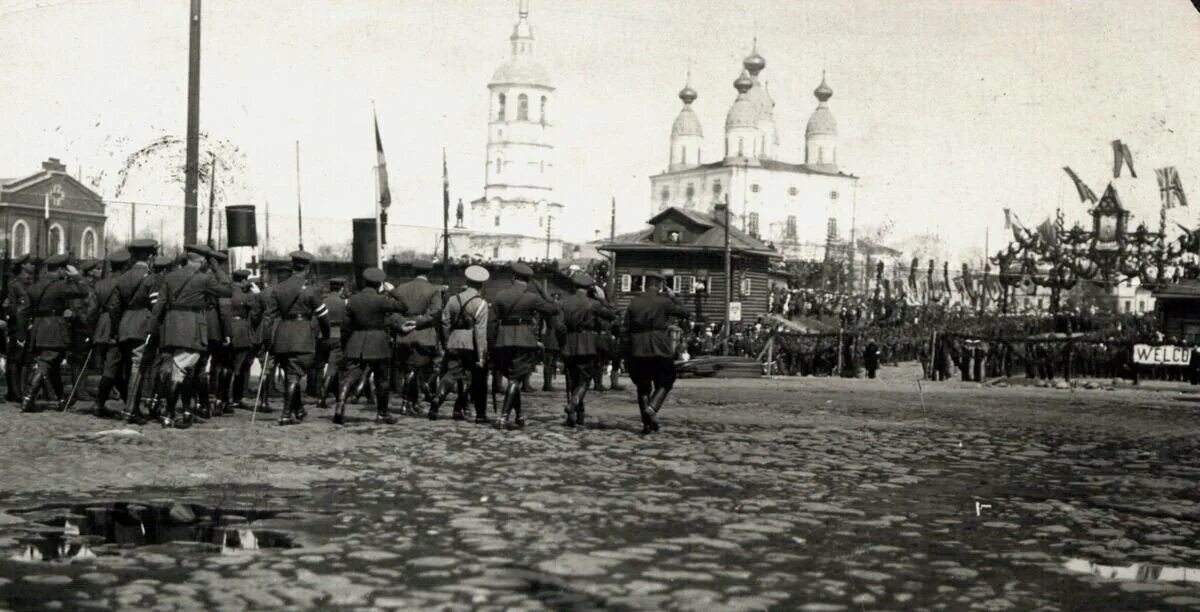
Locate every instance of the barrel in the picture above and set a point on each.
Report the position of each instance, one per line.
(242, 229)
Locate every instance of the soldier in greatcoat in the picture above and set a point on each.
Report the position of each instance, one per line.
(104, 337)
(289, 312)
(131, 313)
(422, 303)
(15, 305)
(48, 333)
(464, 370)
(651, 362)
(582, 315)
(182, 325)
(215, 361)
(516, 353)
(367, 348)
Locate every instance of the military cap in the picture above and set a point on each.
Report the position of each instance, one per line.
(583, 279)
(162, 262)
(337, 281)
(301, 257)
(218, 254)
(143, 245)
(374, 276)
(88, 265)
(521, 269)
(23, 263)
(55, 262)
(198, 249)
(240, 275)
(654, 274)
(422, 265)
(118, 257)
(477, 274)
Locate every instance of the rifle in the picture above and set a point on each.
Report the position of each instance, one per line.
(135, 381)
(266, 373)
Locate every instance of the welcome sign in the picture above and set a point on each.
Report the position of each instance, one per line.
(1166, 354)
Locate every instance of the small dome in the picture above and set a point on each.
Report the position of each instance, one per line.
(522, 70)
(754, 63)
(743, 83)
(742, 114)
(821, 123)
(687, 94)
(686, 124)
(823, 92)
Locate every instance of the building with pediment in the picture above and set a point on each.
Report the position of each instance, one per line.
(50, 212)
(800, 208)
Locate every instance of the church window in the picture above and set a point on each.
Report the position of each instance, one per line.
(754, 188)
(666, 195)
(20, 238)
(500, 106)
(499, 165)
(87, 243)
(789, 230)
(496, 252)
(717, 188)
(497, 220)
(543, 115)
(690, 191)
(831, 232)
(741, 147)
(746, 285)
(56, 240)
(522, 107)
(752, 226)
(793, 191)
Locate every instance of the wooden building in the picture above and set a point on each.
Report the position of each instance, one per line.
(688, 248)
(50, 212)
(1178, 308)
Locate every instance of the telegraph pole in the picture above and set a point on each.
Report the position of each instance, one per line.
(192, 165)
(549, 222)
(212, 197)
(728, 278)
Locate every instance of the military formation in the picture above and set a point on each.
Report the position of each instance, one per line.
(175, 339)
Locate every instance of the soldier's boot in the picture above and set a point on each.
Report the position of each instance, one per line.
(381, 407)
(648, 422)
(12, 380)
(497, 387)
(525, 386)
(657, 399)
(582, 393)
(286, 415)
(31, 392)
(570, 410)
(171, 391)
(510, 397)
(597, 379)
(54, 378)
(439, 398)
(328, 384)
(296, 400)
(187, 398)
(102, 392)
(519, 421)
(203, 398)
(460, 402)
(547, 377)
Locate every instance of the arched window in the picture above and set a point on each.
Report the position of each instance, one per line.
(666, 195)
(690, 191)
(741, 147)
(496, 252)
(497, 220)
(522, 107)
(87, 243)
(821, 155)
(499, 165)
(20, 238)
(56, 245)
(543, 109)
(500, 103)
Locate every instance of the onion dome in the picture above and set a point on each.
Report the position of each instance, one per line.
(522, 70)
(687, 94)
(743, 113)
(754, 63)
(743, 83)
(823, 92)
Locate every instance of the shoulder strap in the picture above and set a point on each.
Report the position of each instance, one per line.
(125, 299)
(284, 311)
(179, 291)
(35, 302)
(462, 308)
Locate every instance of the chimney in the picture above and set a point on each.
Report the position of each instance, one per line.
(719, 212)
(53, 165)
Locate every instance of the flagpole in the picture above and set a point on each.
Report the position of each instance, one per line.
(378, 220)
(299, 210)
(445, 220)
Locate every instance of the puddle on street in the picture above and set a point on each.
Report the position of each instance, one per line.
(1139, 572)
(64, 532)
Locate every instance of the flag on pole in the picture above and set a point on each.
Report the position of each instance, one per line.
(1168, 182)
(1085, 193)
(385, 194)
(1122, 157)
(1046, 231)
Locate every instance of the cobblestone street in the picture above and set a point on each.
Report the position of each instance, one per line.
(808, 494)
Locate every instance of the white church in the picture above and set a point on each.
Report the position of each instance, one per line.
(800, 208)
(518, 217)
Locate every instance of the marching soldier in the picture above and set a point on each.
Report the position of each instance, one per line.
(516, 352)
(245, 312)
(290, 309)
(216, 358)
(104, 335)
(580, 315)
(651, 363)
(465, 328)
(15, 305)
(180, 316)
(551, 348)
(49, 334)
(329, 353)
(159, 268)
(135, 296)
(367, 349)
(422, 302)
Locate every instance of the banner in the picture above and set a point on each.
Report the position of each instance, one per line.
(1166, 354)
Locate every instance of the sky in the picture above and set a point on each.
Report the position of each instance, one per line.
(948, 111)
